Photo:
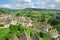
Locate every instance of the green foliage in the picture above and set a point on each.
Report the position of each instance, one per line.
(58, 17)
(58, 28)
(39, 14)
(1, 25)
(17, 14)
(17, 29)
(41, 34)
(2, 11)
(30, 31)
(3, 32)
(44, 36)
(53, 21)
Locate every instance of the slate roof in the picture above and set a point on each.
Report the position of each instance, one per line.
(35, 37)
(14, 37)
(25, 36)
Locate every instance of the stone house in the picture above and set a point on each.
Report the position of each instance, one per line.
(24, 21)
(5, 19)
(10, 19)
(25, 36)
(53, 33)
(42, 27)
(14, 37)
(35, 37)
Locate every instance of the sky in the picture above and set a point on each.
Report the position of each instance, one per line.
(21, 4)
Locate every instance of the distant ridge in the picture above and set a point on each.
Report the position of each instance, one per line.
(14, 11)
(43, 9)
(36, 9)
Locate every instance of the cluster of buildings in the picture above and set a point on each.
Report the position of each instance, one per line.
(52, 33)
(11, 19)
(25, 36)
(26, 21)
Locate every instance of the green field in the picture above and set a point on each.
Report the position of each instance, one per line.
(3, 32)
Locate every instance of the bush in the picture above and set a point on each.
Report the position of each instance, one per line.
(1, 25)
(41, 34)
(58, 28)
(53, 21)
(17, 29)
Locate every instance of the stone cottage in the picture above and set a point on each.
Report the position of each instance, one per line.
(25, 36)
(35, 37)
(14, 37)
(53, 34)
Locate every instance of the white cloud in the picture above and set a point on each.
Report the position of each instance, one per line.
(43, 3)
(21, 4)
(57, 1)
(21, 1)
(5, 6)
(9, 6)
(51, 5)
(27, 0)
